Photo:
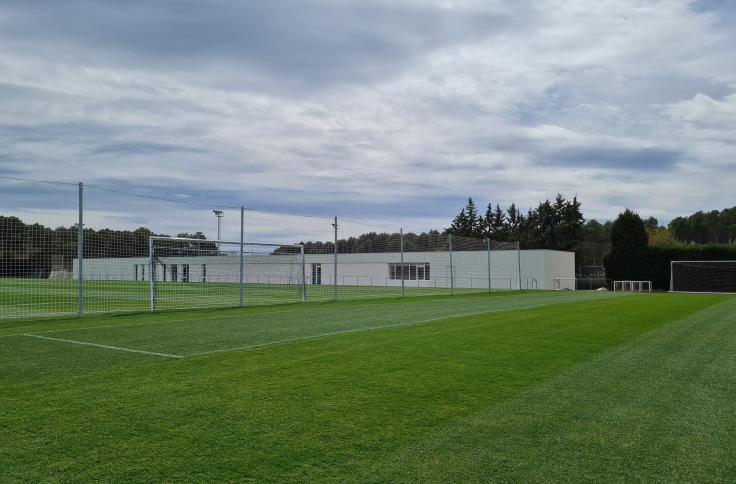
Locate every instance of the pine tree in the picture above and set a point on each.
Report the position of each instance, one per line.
(498, 224)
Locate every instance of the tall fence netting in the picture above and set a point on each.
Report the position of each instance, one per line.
(143, 252)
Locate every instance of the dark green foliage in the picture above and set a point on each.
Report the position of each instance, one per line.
(713, 227)
(468, 223)
(628, 256)
(557, 225)
(628, 232)
(596, 232)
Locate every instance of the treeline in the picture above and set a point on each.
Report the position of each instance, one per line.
(33, 250)
(714, 227)
(373, 242)
(632, 257)
(557, 225)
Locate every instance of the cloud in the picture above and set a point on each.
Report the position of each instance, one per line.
(613, 158)
(388, 112)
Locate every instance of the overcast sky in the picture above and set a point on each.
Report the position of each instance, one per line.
(385, 111)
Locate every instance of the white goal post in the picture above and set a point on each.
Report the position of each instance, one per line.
(632, 286)
(191, 273)
(703, 276)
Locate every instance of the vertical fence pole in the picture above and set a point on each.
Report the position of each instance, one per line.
(304, 276)
(401, 244)
(80, 253)
(334, 282)
(488, 250)
(452, 277)
(151, 274)
(242, 258)
(518, 259)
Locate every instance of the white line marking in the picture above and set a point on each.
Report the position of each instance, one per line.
(359, 330)
(108, 347)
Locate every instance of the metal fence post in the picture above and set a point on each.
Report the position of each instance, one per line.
(80, 253)
(518, 258)
(488, 250)
(401, 244)
(151, 273)
(304, 276)
(452, 277)
(242, 258)
(334, 282)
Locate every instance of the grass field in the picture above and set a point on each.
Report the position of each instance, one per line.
(518, 387)
(24, 297)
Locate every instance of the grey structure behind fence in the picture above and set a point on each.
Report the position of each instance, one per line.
(105, 250)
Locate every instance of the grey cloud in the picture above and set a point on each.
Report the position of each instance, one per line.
(614, 158)
(301, 43)
(132, 148)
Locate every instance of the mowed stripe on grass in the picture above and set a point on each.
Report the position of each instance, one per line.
(184, 335)
(324, 409)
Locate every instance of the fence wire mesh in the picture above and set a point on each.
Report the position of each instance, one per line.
(143, 252)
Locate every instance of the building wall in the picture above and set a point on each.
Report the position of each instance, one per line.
(469, 268)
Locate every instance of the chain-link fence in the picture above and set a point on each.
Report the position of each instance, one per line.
(101, 250)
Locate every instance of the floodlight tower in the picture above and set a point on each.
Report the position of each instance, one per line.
(219, 214)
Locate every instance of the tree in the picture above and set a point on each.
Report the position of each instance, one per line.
(467, 223)
(498, 226)
(629, 243)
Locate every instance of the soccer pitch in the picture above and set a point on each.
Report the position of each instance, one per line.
(530, 387)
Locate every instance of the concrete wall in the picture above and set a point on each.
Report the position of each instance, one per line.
(469, 268)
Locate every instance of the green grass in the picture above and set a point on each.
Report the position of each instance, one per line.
(526, 387)
(28, 298)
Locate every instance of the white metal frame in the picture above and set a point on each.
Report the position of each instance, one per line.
(241, 260)
(672, 275)
(632, 286)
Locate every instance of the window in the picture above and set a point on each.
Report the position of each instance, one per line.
(174, 273)
(185, 272)
(204, 272)
(409, 272)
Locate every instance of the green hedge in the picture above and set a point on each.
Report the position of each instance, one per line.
(653, 263)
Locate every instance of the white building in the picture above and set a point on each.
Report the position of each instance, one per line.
(528, 269)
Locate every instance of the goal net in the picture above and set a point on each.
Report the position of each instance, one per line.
(703, 276)
(191, 273)
(632, 286)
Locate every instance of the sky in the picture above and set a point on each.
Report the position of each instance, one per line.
(388, 112)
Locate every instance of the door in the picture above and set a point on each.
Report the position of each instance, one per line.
(316, 274)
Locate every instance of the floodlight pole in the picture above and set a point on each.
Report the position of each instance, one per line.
(219, 214)
(401, 243)
(242, 250)
(80, 253)
(334, 282)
